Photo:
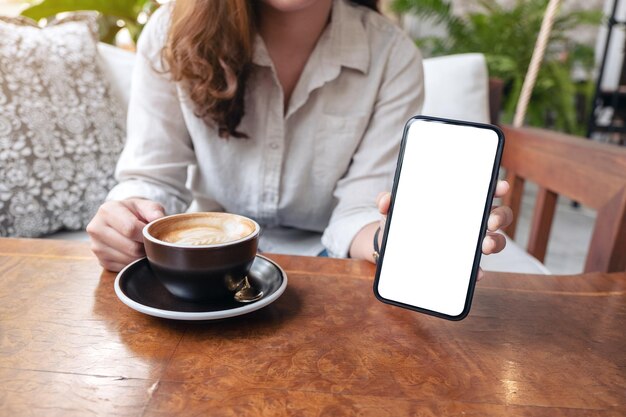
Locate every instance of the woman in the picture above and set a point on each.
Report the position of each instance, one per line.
(289, 112)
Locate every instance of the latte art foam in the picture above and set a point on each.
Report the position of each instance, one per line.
(207, 233)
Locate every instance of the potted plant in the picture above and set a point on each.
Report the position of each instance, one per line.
(506, 36)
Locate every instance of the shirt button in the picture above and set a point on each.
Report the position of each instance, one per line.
(274, 145)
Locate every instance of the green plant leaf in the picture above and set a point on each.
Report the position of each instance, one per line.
(506, 35)
(438, 10)
(124, 9)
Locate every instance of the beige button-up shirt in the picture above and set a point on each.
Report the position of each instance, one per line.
(309, 176)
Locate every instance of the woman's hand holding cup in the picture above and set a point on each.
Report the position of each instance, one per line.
(115, 231)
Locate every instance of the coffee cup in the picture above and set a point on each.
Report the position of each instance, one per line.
(201, 256)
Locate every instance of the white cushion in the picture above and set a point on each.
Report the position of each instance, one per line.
(61, 127)
(68, 235)
(117, 65)
(513, 259)
(457, 87)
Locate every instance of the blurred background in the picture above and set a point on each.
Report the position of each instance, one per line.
(578, 90)
(503, 30)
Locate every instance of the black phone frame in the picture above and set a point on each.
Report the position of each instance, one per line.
(483, 226)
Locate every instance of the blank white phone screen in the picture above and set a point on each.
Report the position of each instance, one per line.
(438, 208)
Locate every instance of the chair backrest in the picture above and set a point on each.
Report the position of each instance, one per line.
(591, 173)
(117, 65)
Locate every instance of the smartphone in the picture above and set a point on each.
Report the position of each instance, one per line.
(441, 198)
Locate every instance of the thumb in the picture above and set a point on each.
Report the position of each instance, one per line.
(383, 201)
(148, 210)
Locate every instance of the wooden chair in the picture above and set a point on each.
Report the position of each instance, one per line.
(591, 173)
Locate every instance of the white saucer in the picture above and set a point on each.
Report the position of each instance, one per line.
(139, 289)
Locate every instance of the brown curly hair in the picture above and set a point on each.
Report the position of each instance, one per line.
(209, 48)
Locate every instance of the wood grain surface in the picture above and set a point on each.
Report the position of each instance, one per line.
(532, 346)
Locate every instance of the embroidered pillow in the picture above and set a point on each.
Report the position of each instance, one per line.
(61, 130)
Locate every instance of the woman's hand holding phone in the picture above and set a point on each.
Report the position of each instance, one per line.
(500, 217)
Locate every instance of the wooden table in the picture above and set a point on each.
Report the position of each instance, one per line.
(532, 346)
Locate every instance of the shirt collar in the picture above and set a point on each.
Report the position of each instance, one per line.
(347, 45)
(260, 56)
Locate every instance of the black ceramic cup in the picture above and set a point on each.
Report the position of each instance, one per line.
(201, 256)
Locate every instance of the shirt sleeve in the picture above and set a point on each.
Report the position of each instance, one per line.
(373, 165)
(158, 150)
